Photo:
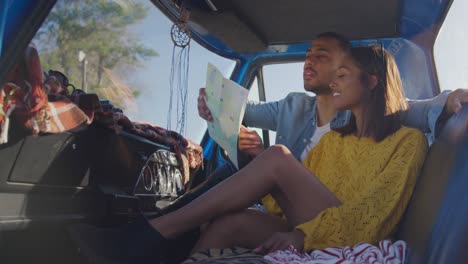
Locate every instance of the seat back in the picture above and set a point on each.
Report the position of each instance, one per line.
(433, 188)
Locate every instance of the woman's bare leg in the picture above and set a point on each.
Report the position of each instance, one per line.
(247, 228)
(274, 171)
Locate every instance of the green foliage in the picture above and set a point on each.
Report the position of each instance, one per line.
(100, 28)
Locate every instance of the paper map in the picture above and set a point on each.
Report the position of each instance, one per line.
(226, 100)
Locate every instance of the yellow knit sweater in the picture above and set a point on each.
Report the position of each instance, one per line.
(374, 182)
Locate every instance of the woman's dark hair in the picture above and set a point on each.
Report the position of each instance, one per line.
(385, 102)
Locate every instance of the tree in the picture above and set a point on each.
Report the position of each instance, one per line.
(100, 28)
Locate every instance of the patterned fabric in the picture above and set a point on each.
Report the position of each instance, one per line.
(374, 182)
(88, 103)
(56, 83)
(7, 105)
(194, 154)
(228, 255)
(23, 96)
(385, 253)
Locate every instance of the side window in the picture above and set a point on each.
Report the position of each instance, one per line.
(254, 95)
(122, 51)
(450, 52)
(280, 80)
(253, 91)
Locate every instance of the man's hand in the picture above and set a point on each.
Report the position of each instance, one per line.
(282, 241)
(203, 110)
(250, 142)
(455, 101)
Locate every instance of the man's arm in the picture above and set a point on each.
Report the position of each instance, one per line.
(455, 101)
(262, 115)
(426, 115)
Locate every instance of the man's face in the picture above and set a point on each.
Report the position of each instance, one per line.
(322, 60)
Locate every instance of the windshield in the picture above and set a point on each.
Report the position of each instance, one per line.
(122, 51)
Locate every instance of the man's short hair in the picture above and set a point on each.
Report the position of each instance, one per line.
(343, 42)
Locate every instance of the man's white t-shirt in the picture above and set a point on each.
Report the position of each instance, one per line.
(319, 132)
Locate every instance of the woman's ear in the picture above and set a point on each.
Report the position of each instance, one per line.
(372, 81)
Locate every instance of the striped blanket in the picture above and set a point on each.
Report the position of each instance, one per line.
(385, 253)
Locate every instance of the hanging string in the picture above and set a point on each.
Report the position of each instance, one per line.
(180, 36)
(183, 90)
(171, 90)
(179, 82)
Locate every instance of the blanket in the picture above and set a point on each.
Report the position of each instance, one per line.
(386, 253)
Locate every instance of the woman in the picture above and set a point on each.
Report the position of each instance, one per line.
(353, 187)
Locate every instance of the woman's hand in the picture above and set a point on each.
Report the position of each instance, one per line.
(250, 142)
(282, 241)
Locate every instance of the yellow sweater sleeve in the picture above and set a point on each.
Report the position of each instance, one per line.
(372, 214)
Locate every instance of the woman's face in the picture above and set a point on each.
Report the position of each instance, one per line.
(347, 88)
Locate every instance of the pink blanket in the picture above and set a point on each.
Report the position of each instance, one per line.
(387, 253)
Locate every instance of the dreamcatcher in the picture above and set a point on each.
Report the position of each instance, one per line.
(178, 82)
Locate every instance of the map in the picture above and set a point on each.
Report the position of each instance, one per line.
(226, 100)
